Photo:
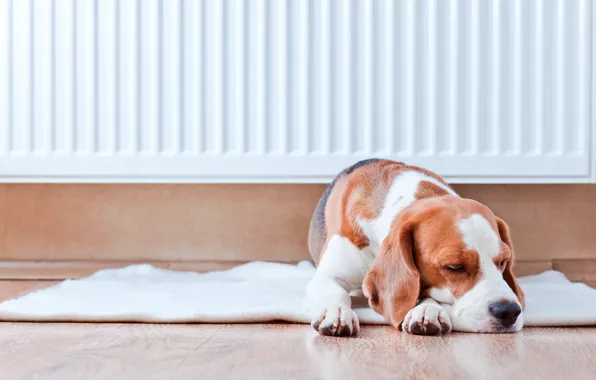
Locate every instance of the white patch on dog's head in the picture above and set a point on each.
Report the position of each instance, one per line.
(478, 235)
(471, 311)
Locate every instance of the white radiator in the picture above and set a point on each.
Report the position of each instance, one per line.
(294, 90)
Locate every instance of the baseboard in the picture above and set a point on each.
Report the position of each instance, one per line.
(526, 268)
(578, 270)
(57, 270)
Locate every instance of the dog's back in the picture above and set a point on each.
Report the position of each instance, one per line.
(362, 188)
(317, 234)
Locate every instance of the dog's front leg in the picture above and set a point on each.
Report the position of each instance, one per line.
(327, 295)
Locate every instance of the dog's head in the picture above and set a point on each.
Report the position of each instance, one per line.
(455, 251)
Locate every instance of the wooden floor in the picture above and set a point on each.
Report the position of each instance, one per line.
(282, 351)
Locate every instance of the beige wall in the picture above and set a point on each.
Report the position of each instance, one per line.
(212, 226)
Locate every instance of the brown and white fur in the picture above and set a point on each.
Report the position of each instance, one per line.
(427, 259)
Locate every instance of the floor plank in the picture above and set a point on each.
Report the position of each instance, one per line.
(281, 351)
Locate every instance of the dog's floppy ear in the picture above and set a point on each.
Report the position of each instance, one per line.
(508, 272)
(392, 284)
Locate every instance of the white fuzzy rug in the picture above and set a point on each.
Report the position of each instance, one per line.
(254, 292)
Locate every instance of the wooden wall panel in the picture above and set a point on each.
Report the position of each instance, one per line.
(159, 222)
(547, 221)
(81, 228)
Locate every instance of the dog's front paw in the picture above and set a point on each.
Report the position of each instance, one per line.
(427, 319)
(337, 321)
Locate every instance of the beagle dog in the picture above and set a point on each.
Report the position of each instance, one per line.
(427, 260)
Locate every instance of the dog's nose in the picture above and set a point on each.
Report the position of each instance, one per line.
(506, 312)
